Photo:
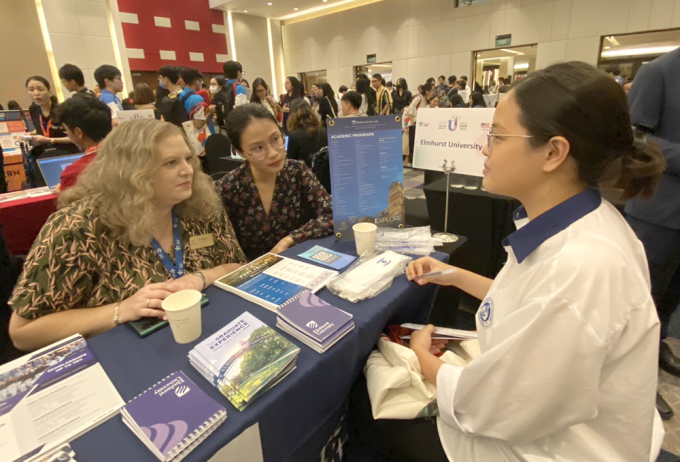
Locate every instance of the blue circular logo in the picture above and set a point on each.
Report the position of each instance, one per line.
(486, 313)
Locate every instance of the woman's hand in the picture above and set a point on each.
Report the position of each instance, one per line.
(286, 109)
(422, 341)
(417, 268)
(270, 99)
(284, 244)
(189, 281)
(146, 303)
(39, 139)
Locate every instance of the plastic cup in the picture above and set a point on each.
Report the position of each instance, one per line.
(364, 237)
(183, 310)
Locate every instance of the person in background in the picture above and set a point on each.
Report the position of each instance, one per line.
(477, 99)
(73, 80)
(402, 96)
(463, 91)
(221, 101)
(233, 72)
(143, 198)
(262, 95)
(314, 93)
(493, 88)
(432, 81)
(368, 97)
(451, 89)
(383, 104)
(110, 81)
(411, 115)
(351, 105)
(13, 105)
(217, 84)
(87, 122)
(49, 139)
(442, 88)
(196, 107)
(568, 331)
(433, 102)
(293, 91)
(615, 74)
(504, 85)
(129, 102)
(654, 103)
(144, 98)
(341, 92)
(245, 83)
(457, 101)
(328, 108)
(275, 203)
(306, 135)
(444, 102)
(170, 106)
(203, 91)
(391, 91)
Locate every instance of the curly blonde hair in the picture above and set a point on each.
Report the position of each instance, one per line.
(121, 179)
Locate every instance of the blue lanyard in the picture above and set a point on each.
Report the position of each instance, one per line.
(175, 269)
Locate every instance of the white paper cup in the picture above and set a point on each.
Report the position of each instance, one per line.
(183, 309)
(364, 237)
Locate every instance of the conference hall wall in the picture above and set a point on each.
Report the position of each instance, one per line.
(425, 38)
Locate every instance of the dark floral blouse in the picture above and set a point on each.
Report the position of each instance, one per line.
(301, 208)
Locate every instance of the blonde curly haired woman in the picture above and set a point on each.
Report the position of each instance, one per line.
(142, 222)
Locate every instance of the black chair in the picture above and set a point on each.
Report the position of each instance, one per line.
(321, 168)
(216, 147)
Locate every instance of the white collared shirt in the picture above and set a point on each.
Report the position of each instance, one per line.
(569, 337)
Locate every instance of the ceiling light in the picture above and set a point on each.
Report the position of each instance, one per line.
(245, 11)
(521, 66)
(638, 51)
(325, 1)
(270, 3)
(295, 9)
(607, 48)
(511, 51)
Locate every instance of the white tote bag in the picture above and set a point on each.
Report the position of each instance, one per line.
(396, 386)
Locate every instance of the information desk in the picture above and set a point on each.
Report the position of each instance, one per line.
(484, 218)
(22, 219)
(290, 413)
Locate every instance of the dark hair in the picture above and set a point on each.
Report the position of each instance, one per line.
(504, 88)
(353, 98)
(302, 116)
(452, 91)
(361, 76)
(464, 77)
(143, 94)
(401, 82)
(462, 84)
(457, 101)
(221, 81)
(343, 88)
(330, 94)
(614, 70)
(12, 105)
(377, 76)
(430, 80)
(297, 87)
(452, 79)
(389, 84)
(256, 83)
(92, 116)
(72, 72)
(161, 93)
(589, 109)
(231, 69)
(40, 79)
(477, 99)
(501, 81)
(364, 88)
(442, 77)
(171, 72)
(427, 87)
(190, 75)
(244, 81)
(106, 71)
(241, 116)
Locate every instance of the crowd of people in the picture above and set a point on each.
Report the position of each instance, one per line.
(572, 304)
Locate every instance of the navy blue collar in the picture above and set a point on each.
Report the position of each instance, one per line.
(527, 239)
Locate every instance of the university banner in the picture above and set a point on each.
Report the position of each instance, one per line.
(455, 134)
(367, 175)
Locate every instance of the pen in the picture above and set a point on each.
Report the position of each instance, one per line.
(439, 273)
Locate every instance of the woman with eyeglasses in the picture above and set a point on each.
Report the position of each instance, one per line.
(273, 202)
(262, 96)
(568, 331)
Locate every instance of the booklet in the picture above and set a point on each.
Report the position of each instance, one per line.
(173, 416)
(314, 317)
(271, 280)
(244, 359)
(327, 257)
(50, 397)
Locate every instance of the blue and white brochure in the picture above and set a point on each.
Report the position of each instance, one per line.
(327, 257)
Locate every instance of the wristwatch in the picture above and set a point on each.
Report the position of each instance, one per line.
(202, 276)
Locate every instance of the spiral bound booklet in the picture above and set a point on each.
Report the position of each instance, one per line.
(173, 416)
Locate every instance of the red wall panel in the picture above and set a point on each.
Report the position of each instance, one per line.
(151, 38)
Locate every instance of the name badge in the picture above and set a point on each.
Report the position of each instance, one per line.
(204, 240)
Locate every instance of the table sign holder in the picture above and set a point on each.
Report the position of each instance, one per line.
(445, 236)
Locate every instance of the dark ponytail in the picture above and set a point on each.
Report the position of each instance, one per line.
(426, 88)
(589, 109)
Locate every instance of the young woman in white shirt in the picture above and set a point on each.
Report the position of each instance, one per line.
(568, 331)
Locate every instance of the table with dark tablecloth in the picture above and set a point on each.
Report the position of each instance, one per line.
(22, 220)
(484, 218)
(290, 415)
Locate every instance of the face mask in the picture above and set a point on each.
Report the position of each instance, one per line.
(160, 83)
(213, 89)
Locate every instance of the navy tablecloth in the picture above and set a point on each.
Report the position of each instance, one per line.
(290, 413)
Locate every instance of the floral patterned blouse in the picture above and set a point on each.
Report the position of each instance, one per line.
(301, 208)
(76, 263)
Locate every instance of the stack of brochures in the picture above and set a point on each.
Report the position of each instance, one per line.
(314, 322)
(271, 280)
(244, 359)
(50, 397)
(173, 417)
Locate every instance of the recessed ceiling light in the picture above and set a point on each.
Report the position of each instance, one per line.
(325, 1)
(270, 3)
(295, 9)
(245, 11)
